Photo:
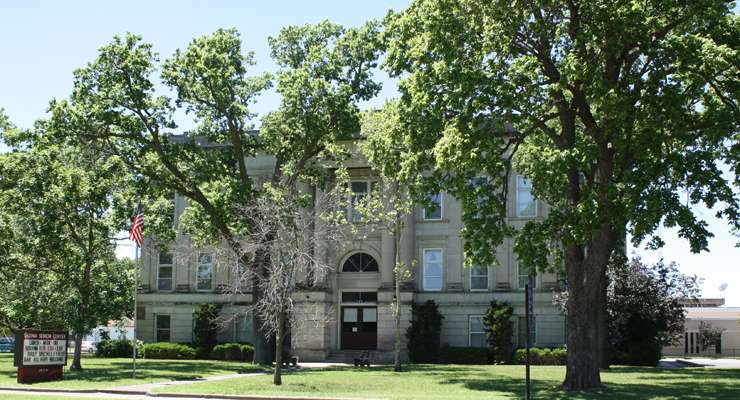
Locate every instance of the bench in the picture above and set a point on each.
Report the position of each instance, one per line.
(363, 360)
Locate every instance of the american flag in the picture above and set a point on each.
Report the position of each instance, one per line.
(137, 222)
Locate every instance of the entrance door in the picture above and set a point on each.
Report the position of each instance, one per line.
(359, 328)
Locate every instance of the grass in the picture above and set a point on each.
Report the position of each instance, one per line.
(101, 373)
(452, 382)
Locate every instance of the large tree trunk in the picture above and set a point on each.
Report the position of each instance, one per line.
(586, 275)
(277, 378)
(76, 359)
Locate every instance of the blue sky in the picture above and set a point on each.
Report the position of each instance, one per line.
(44, 42)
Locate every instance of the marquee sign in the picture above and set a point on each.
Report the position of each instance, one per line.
(40, 355)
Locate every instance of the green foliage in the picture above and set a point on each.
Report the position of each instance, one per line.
(423, 335)
(233, 352)
(499, 330)
(116, 349)
(538, 356)
(463, 355)
(206, 328)
(168, 351)
(644, 310)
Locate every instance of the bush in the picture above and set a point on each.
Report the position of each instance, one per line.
(499, 329)
(206, 328)
(169, 351)
(114, 349)
(645, 352)
(537, 356)
(233, 352)
(463, 355)
(424, 332)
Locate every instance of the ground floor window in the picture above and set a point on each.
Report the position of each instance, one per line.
(522, 331)
(163, 328)
(476, 331)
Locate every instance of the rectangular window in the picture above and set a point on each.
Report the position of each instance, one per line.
(434, 210)
(359, 190)
(479, 278)
(522, 329)
(204, 275)
(524, 277)
(359, 297)
(526, 204)
(477, 332)
(163, 328)
(433, 267)
(164, 271)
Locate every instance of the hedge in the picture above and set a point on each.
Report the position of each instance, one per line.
(463, 355)
(168, 351)
(233, 352)
(114, 349)
(540, 356)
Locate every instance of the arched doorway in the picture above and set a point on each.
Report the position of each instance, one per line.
(359, 310)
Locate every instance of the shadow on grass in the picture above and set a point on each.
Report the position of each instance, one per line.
(148, 370)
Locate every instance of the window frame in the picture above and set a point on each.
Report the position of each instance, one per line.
(197, 272)
(157, 329)
(519, 276)
(360, 253)
(172, 271)
(351, 214)
(470, 329)
(424, 215)
(424, 269)
(519, 190)
(471, 276)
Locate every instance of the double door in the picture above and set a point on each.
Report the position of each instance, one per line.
(359, 328)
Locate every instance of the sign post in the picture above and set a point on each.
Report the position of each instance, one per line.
(40, 356)
(529, 306)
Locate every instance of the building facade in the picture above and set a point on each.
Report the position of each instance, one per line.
(350, 310)
(703, 315)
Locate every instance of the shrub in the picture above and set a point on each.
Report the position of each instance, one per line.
(169, 351)
(206, 328)
(499, 329)
(463, 355)
(115, 349)
(644, 352)
(538, 356)
(233, 352)
(424, 332)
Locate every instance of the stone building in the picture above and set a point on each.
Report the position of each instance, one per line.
(357, 294)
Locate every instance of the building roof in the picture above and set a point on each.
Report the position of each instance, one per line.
(713, 313)
(702, 302)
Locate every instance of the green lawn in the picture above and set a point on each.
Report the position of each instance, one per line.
(101, 373)
(480, 382)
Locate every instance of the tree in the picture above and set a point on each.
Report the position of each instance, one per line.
(621, 115)
(390, 204)
(644, 309)
(59, 200)
(709, 335)
(290, 225)
(499, 330)
(325, 71)
(206, 328)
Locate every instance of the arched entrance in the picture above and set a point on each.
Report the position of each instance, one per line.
(359, 310)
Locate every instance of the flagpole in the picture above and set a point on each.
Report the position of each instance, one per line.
(136, 285)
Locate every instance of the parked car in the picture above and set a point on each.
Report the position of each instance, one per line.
(7, 344)
(88, 346)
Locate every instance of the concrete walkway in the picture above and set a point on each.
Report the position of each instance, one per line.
(731, 363)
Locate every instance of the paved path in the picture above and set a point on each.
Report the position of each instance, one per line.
(731, 363)
(147, 387)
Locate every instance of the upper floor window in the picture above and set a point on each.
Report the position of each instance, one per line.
(164, 271)
(204, 274)
(480, 185)
(526, 204)
(478, 278)
(434, 210)
(360, 262)
(477, 331)
(524, 278)
(359, 190)
(433, 267)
